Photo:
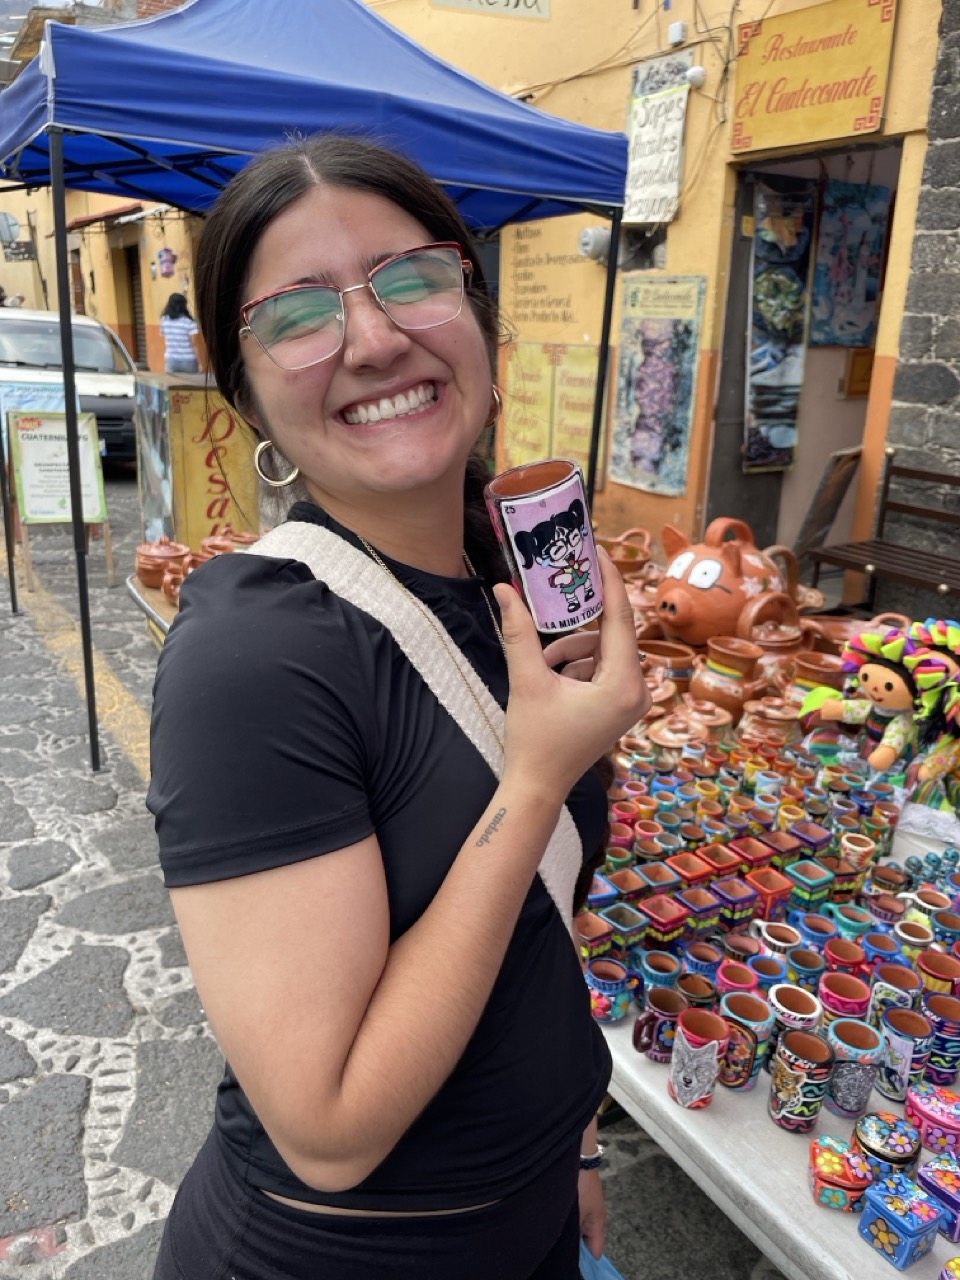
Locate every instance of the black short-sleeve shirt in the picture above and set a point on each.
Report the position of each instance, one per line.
(287, 724)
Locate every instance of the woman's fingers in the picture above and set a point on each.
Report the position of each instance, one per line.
(582, 669)
(582, 644)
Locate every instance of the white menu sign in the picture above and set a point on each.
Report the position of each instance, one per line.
(42, 471)
(658, 111)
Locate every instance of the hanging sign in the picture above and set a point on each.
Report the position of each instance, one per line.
(19, 251)
(813, 74)
(42, 470)
(658, 110)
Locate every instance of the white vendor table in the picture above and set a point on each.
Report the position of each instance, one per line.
(756, 1172)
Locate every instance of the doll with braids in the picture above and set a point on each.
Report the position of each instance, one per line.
(937, 772)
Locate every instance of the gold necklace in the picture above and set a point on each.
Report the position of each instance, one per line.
(440, 633)
(483, 591)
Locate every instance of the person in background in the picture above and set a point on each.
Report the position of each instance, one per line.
(179, 329)
(374, 886)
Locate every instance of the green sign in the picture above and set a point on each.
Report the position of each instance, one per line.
(42, 472)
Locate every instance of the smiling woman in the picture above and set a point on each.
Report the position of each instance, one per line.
(375, 895)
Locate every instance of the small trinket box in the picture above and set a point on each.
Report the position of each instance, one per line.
(627, 883)
(813, 838)
(753, 853)
(889, 1143)
(602, 893)
(785, 848)
(940, 1177)
(658, 877)
(838, 1174)
(704, 907)
(900, 1221)
(666, 923)
(738, 902)
(936, 1113)
(811, 884)
(628, 927)
(722, 860)
(773, 889)
(692, 870)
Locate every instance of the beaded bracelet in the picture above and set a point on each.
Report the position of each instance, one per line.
(592, 1161)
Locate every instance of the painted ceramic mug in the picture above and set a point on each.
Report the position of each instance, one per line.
(703, 958)
(750, 1021)
(857, 1050)
(843, 996)
(699, 991)
(852, 922)
(775, 938)
(895, 986)
(943, 1013)
(908, 1040)
(805, 968)
(794, 1010)
(881, 948)
(611, 989)
(658, 969)
(540, 514)
(800, 1071)
(946, 927)
(769, 970)
(939, 972)
(815, 929)
(732, 976)
(912, 937)
(656, 1025)
(843, 956)
(698, 1047)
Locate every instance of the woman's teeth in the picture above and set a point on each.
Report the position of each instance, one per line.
(398, 406)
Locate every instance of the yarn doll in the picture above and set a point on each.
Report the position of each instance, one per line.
(897, 680)
(937, 772)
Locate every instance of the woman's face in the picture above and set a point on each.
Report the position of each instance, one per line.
(335, 235)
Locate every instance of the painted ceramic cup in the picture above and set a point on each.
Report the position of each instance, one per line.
(852, 922)
(539, 512)
(843, 996)
(800, 1070)
(750, 1021)
(775, 939)
(656, 1024)
(857, 849)
(658, 969)
(881, 948)
(698, 1048)
(741, 946)
(908, 1040)
(846, 957)
(815, 929)
(894, 987)
(857, 1050)
(733, 976)
(805, 968)
(939, 972)
(912, 937)
(943, 1013)
(703, 958)
(946, 927)
(794, 1010)
(611, 989)
(769, 970)
(700, 991)
(922, 903)
(886, 908)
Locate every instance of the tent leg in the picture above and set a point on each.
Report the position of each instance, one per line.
(8, 530)
(603, 357)
(70, 411)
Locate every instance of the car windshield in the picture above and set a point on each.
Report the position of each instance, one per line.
(36, 344)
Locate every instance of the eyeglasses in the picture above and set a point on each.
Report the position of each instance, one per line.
(303, 324)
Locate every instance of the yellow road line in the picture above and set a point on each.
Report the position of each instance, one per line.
(117, 710)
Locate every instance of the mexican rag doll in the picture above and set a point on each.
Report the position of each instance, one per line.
(937, 771)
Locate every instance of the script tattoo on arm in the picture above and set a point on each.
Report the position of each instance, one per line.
(491, 826)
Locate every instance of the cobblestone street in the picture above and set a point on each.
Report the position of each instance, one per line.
(107, 1066)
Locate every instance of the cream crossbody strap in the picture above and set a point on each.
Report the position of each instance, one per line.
(359, 580)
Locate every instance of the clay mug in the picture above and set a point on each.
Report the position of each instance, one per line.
(741, 946)
(943, 1013)
(699, 991)
(657, 969)
(908, 1040)
(857, 1051)
(843, 996)
(647, 828)
(611, 989)
(794, 1010)
(887, 877)
(775, 939)
(789, 815)
(920, 904)
(881, 948)
(815, 929)
(733, 976)
(886, 908)
(656, 1024)
(946, 927)
(625, 811)
(703, 958)
(912, 937)
(852, 922)
(801, 1067)
(939, 972)
(805, 968)
(750, 1021)
(698, 1047)
(894, 986)
(769, 970)
(843, 956)
(621, 835)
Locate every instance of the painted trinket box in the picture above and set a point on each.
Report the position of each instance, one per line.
(811, 884)
(889, 1143)
(627, 929)
(691, 869)
(738, 902)
(773, 889)
(900, 1221)
(628, 884)
(936, 1113)
(838, 1174)
(753, 853)
(940, 1177)
(704, 907)
(602, 893)
(785, 849)
(666, 923)
(658, 877)
(812, 836)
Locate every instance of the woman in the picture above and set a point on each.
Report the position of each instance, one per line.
(413, 1073)
(179, 328)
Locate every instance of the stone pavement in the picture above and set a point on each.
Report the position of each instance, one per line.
(107, 1065)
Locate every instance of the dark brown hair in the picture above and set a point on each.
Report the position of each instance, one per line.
(261, 192)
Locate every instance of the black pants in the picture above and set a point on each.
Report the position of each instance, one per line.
(221, 1229)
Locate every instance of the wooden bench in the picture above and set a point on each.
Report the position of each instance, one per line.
(880, 558)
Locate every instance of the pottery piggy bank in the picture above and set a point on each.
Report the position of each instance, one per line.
(706, 585)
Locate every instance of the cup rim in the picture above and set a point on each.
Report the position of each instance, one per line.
(703, 1024)
(512, 482)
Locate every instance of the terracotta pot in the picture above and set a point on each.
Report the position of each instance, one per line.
(835, 632)
(172, 582)
(150, 571)
(677, 659)
(164, 552)
(808, 671)
(772, 716)
(217, 545)
(716, 720)
(663, 691)
(772, 621)
(727, 675)
(629, 551)
(670, 735)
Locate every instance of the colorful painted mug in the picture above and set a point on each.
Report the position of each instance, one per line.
(805, 968)
(881, 948)
(843, 996)
(946, 927)
(699, 991)
(611, 989)
(939, 972)
(733, 976)
(656, 1025)
(912, 937)
(894, 986)
(769, 970)
(794, 1010)
(698, 1048)
(843, 956)
(800, 1070)
(857, 1050)
(943, 1013)
(908, 1040)
(852, 922)
(658, 969)
(750, 1021)
(815, 929)
(703, 958)
(774, 938)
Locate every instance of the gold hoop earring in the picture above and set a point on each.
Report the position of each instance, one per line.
(258, 453)
(497, 406)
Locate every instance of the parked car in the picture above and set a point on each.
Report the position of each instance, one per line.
(105, 373)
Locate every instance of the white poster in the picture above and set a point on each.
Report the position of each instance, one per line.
(658, 110)
(42, 470)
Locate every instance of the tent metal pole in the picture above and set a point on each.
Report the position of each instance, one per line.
(616, 217)
(70, 412)
(8, 532)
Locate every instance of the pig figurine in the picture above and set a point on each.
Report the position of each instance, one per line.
(705, 586)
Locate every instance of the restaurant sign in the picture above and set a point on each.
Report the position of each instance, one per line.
(813, 74)
(499, 8)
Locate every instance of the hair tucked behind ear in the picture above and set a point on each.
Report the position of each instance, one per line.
(479, 538)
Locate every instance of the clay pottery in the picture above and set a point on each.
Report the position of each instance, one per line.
(241, 538)
(172, 581)
(728, 674)
(164, 552)
(772, 717)
(217, 545)
(772, 621)
(808, 671)
(663, 692)
(677, 659)
(717, 720)
(150, 570)
(670, 735)
(834, 632)
(630, 551)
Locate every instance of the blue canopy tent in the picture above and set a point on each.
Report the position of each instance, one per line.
(168, 109)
